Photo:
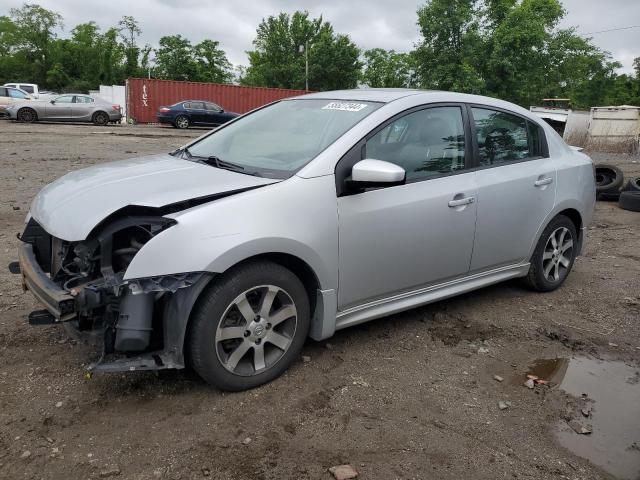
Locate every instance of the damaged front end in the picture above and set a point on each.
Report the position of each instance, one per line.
(139, 324)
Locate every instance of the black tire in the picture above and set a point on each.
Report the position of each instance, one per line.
(633, 185)
(630, 201)
(537, 278)
(609, 196)
(101, 119)
(609, 179)
(27, 115)
(181, 121)
(210, 356)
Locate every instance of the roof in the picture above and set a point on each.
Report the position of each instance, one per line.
(384, 95)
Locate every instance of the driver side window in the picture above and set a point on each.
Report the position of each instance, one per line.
(426, 143)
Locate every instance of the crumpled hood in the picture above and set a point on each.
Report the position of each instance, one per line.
(70, 207)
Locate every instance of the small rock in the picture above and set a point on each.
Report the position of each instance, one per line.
(58, 404)
(206, 472)
(16, 207)
(343, 472)
(25, 454)
(503, 405)
(246, 441)
(498, 378)
(483, 350)
(586, 411)
(611, 344)
(49, 439)
(580, 428)
(328, 346)
(306, 358)
(111, 471)
(529, 383)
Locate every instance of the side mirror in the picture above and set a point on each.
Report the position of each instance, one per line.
(52, 101)
(370, 173)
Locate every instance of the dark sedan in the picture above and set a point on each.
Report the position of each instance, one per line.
(194, 112)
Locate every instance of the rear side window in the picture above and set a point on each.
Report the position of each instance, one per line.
(504, 138)
(3, 92)
(425, 143)
(27, 88)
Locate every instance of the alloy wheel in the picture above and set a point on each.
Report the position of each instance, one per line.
(182, 122)
(256, 330)
(558, 254)
(26, 115)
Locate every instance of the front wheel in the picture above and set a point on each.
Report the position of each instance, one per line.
(249, 326)
(554, 255)
(27, 115)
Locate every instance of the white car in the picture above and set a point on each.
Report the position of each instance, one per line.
(11, 96)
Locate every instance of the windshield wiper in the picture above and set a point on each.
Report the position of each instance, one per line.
(223, 164)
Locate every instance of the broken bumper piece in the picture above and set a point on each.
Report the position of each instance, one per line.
(56, 300)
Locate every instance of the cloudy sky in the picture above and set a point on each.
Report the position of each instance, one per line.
(370, 23)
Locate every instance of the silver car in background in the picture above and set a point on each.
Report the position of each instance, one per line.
(303, 217)
(70, 107)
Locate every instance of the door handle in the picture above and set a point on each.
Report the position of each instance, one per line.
(461, 201)
(543, 181)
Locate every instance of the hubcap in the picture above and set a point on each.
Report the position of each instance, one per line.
(183, 123)
(558, 253)
(256, 330)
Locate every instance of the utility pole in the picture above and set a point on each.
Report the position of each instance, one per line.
(306, 65)
(305, 48)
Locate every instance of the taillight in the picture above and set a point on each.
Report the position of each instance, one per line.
(165, 110)
(116, 107)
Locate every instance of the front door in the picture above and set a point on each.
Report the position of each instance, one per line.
(59, 108)
(516, 187)
(401, 238)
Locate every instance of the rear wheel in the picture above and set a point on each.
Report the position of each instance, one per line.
(27, 115)
(182, 122)
(100, 119)
(249, 326)
(554, 255)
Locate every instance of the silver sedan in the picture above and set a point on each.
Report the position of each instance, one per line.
(70, 107)
(301, 218)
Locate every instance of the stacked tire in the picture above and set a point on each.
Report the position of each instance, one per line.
(630, 195)
(609, 179)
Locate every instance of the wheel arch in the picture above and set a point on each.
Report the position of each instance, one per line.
(568, 210)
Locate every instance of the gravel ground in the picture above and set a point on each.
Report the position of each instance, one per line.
(409, 396)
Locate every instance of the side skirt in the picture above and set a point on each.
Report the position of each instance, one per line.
(408, 300)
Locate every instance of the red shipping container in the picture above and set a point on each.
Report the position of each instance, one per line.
(145, 96)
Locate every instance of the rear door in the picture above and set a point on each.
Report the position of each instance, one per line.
(197, 113)
(82, 108)
(4, 96)
(59, 108)
(516, 186)
(398, 239)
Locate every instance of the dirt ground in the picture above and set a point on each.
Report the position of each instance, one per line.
(409, 396)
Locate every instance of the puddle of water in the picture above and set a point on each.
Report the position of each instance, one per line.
(614, 389)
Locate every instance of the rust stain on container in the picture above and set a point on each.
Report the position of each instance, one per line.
(145, 96)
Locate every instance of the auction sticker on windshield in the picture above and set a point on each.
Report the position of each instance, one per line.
(345, 106)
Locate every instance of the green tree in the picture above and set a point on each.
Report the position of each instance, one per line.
(129, 32)
(278, 59)
(212, 64)
(387, 68)
(175, 59)
(34, 35)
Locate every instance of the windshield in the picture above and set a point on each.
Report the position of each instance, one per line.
(278, 140)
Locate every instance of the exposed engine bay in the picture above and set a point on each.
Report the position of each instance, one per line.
(127, 317)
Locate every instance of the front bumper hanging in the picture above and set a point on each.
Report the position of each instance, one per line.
(60, 303)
